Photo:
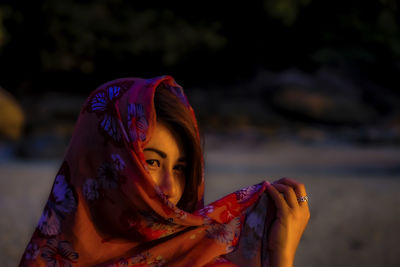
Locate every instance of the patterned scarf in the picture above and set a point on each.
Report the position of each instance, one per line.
(105, 210)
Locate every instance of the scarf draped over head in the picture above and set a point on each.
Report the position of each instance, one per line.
(104, 209)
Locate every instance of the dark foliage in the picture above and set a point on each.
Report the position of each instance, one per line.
(68, 45)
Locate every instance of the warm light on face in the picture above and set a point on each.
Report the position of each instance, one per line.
(164, 155)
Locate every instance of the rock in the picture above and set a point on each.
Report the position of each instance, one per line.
(316, 105)
(326, 97)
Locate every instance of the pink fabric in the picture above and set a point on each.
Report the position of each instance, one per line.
(104, 209)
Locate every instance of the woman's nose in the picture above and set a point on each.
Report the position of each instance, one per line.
(167, 184)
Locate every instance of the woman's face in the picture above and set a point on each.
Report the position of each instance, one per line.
(164, 155)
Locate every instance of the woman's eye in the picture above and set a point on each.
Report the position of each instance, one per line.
(153, 162)
(181, 168)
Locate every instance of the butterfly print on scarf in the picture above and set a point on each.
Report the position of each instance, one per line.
(225, 233)
(62, 200)
(108, 177)
(140, 259)
(137, 122)
(113, 92)
(102, 102)
(59, 253)
(205, 211)
(246, 193)
(119, 163)
(91, 189)
(254, 228)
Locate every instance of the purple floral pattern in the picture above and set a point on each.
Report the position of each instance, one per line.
(246, 193)
(254, 228)
(147, 259)
(118, 162)
(141, 257)
(32, 251)
(107, 176)
(102, 103)
(111, 126)
(49, 222)
(206, 210)
(91, 189)
(225, 233)
(62, 200)
(59, 253)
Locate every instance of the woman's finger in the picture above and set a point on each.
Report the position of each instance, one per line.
(299, 188)
(279, 200)
(289, 194)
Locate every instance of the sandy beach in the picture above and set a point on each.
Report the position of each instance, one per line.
(354, 196)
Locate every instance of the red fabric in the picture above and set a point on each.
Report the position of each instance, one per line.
(104, 209)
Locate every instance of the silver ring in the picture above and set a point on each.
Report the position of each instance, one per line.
(302, 199)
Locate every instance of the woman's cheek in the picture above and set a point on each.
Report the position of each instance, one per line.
(155, 176)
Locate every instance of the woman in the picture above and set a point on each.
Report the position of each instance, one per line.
(130, 193)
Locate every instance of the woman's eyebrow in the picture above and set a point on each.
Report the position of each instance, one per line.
(159, 152)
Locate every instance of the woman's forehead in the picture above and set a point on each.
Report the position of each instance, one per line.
(166, 140)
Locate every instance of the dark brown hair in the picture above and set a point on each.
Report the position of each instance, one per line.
(171, 111)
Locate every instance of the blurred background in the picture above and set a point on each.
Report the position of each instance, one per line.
(300, 88)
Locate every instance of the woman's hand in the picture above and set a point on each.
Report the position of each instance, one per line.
(291, 219)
